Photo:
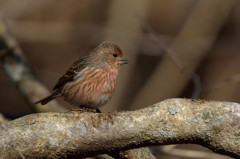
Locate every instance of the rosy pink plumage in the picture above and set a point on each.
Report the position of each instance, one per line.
(90, 81)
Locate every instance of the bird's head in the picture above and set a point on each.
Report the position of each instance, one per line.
(109, 55)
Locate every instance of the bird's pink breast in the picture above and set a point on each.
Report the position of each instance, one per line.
(93, 89)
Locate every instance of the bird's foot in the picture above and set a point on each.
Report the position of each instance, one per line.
(85, 109)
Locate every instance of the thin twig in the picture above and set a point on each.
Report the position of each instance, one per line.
(173, 55)
(233, 79)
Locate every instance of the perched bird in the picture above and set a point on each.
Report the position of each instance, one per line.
(91, 80)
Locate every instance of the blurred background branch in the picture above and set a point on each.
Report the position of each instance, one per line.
(21, 73)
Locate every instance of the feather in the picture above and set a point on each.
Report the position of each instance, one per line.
(72, 73)
(48, 98)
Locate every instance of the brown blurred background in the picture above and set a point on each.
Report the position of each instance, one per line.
(176, 48)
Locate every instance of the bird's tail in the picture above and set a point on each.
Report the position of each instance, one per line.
(48, 98)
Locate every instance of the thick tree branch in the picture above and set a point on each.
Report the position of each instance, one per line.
(174, 121)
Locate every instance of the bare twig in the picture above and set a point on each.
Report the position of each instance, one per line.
(175, 121)
(233, 79)
(173, 55)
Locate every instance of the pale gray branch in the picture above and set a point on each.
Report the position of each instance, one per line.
(175, 121)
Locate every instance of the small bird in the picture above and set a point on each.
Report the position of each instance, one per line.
(90, 81)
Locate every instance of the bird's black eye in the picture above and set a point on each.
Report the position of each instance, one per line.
(115, 55)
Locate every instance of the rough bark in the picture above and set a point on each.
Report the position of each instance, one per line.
(175, 121)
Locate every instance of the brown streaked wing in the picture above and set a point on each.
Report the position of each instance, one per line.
(76, 67)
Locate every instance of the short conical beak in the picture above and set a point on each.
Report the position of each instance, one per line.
(123, 60)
